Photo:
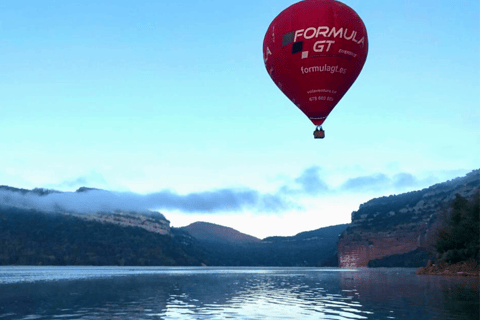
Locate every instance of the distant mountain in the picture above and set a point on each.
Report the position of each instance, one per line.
(401, 230)
(323, 234)
(85, 189)
(210, 232)
(309, 248)
(32, 236)
(224, 246)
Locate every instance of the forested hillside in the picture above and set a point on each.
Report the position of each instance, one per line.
(310, 249)
(30, 237)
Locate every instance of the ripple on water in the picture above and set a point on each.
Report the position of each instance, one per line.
(234, 294)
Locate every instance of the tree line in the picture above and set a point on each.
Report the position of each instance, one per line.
(459, 240)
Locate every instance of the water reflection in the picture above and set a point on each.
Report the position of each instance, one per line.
(401, 294)
(238, 293)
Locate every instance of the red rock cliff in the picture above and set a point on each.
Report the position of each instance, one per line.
(399, 224)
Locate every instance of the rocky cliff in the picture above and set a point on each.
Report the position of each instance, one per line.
(401, 224)
(149, 220)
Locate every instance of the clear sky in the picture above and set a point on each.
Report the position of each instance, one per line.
(170, 103)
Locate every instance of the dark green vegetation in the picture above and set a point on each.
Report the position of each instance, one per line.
(33, 237)
(210, 232)
(387, 213)
(459, 240)
(311, 248)
(29, 237)
(402, 230)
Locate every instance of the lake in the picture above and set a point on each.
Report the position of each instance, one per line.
(232, 293)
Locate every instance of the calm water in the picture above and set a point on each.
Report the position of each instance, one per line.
(232, 293)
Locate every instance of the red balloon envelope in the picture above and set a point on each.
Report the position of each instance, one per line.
(314, 50)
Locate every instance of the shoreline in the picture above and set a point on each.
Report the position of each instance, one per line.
(460, 269)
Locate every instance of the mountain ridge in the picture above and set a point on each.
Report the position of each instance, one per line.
(398, 230)
(207, 231)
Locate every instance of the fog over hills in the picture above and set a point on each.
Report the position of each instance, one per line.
(87, 200)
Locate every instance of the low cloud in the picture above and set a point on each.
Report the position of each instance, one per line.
(402, 180)
(310, 183)
(381, 182)
(372, 182)
(307, 183)
(288, 196)
(222, 200)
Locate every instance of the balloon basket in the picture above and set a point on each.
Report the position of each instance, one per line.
(319, 133)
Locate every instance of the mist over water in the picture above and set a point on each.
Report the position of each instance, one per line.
(236, 293)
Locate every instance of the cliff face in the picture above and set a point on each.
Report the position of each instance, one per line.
(151, 221)
(402, 223)
(148, 220)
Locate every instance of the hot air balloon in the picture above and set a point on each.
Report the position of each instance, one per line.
(314, 51)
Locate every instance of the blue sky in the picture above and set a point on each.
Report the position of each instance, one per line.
(172, 101)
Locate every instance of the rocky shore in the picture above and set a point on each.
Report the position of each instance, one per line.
(460, 269)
